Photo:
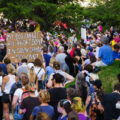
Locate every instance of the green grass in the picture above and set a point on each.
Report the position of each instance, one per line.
(108, 76)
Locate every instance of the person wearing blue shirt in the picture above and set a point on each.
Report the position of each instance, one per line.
(3, 66)
(44, 98)
(49, 71)
(46, 56)
(105, 56)
(116, 53)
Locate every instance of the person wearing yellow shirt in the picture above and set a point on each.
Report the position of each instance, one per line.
(113, 42)
(37, 29)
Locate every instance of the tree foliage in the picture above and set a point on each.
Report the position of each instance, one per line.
(106, 11)
(46, 12)
(42, 11)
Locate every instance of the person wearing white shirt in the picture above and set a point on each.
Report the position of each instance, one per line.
(60, 57)
(18, 93)
(40, 72)
(7, 83)
(73, 38)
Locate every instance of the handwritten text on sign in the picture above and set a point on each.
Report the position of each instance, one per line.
(24, 45)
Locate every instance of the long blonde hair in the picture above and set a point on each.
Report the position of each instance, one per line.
(10, 69)
(32, 75)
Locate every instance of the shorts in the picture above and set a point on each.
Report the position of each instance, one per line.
(5, 98)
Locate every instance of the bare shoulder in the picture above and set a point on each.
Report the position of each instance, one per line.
(6, 77)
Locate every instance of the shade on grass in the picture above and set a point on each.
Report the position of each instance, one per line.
(108, 75)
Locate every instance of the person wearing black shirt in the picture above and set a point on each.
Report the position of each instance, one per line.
(109, 101)
(57, 93)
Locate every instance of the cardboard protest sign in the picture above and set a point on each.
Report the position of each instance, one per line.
(83, 33)
(24, 45)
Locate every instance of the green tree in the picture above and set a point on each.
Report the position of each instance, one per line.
(43, 11)
(106, 11)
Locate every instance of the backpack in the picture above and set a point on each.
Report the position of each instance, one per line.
(18, 116)
(14, 87)
(25, 94)
(94, 112)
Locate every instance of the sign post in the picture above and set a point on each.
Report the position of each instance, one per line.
(83, 33)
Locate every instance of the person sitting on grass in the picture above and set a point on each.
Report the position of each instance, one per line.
(105, 56)
(116, 52)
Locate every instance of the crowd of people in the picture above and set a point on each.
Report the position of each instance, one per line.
(37, 90)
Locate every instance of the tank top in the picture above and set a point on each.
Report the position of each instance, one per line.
(9, 84)
(0, 85)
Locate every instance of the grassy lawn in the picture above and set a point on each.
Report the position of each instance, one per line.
(108, 75)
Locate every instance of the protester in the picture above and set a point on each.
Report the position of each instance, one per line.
(116, 52)
(73, 38)
(64, 107)
(7, 61)
(72, 51)
(57, 93)
(94, 111)
(3, 66)
(109, 100)
(105, 56)
(40, 72)
(60, 57)
(67, 78)
(46, 56)
(23, 67)
(51, 51)
(79, 107)
(31, 73)
(49, 69)
(7, 83)
(44, 98)
(27, 104)
(17, 98)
